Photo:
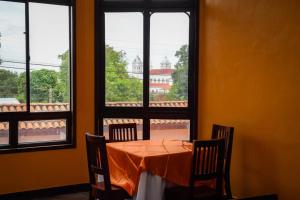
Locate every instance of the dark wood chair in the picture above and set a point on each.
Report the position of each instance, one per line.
(207, 164)
(98, 167)
(219, 131)
(122, 132)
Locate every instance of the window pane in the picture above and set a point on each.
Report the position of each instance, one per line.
(108, 121)
(123, 59)
(169, 129)
(169, 37)
(12, 57)
(49, 51)
(4, 133)
(42, 131)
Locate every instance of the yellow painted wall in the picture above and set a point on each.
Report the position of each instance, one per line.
(45, 169)
(250, 79)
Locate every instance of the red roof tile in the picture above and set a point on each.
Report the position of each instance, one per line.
(164, 86)
(161, 71)
(58, 107)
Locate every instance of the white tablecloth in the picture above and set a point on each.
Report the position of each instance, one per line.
(150, 187)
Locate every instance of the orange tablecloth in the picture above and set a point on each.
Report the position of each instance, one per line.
(169, 159)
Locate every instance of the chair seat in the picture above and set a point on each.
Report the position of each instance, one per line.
(116, 192)
(201, 192)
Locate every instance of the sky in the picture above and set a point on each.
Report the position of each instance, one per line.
(168, 32)
(49, 35)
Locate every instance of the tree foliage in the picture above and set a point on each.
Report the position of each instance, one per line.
(179, 89)
(119, 86)
(8, 87)
(44, 87)
(64, 76)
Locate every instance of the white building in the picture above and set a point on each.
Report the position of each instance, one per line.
(160, 79)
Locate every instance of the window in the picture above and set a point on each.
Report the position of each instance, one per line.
(146, 66)
(36, 75)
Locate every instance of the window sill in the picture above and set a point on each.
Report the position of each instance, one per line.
(36, 147)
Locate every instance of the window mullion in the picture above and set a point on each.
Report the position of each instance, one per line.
(146, 58)
(13, 133)
(27, 57)
(146, 127)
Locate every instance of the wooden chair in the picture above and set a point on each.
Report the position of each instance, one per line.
(122, 132)
(219, 131)
(98, 167)
(207, 164)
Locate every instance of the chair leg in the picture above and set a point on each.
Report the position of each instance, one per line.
(227, 186)
(91, 195)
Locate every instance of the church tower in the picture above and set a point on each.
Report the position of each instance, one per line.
(137, 68)
(165, 64)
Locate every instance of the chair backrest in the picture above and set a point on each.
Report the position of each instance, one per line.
(122, 132)
(226, 132)
(97, 160)
(208, 156)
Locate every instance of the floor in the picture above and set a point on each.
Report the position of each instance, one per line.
(71, 196)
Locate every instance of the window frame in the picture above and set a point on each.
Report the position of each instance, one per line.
(70, 116)
(146, 113)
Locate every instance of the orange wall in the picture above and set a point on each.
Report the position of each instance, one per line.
(250, 79)
(44, 169)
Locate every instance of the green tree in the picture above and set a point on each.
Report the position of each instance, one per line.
(179, 89)
(0, 47)
(21, 83)
(44, 87)
(119, 86)
(8, 87)
(64, 76)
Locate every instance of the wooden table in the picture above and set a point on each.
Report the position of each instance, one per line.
(170, 160)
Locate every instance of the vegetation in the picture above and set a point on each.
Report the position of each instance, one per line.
(53, 86)
(8, 83)
(119, 86)
(179, 89)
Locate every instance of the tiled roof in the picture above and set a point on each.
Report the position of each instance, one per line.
(48, 107)
(42, 124)
(152, 104)
(165, 86)
(161, 71)
(36, 107)
(140, 121)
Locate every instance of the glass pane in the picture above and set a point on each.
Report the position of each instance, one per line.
(169, 37)
(42, 131)
(169, 129)
(4, 133)
(123, 59)
(49, 64)
(12, 57)
(108, 121)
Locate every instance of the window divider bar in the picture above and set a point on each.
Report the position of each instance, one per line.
(13, 133)
(55, 2)
(146, 62)
(99, 66)
(27, 57)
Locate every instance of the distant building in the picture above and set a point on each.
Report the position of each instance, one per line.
(160, 79)
(137, 68)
